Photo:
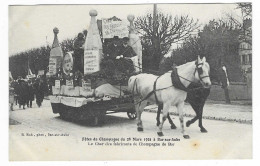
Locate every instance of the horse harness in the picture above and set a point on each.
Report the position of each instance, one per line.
(176, 82)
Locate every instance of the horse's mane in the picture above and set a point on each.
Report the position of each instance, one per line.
(185, 64)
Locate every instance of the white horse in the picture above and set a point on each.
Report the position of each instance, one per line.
(143, 88)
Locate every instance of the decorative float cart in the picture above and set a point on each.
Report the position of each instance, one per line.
(91, 96)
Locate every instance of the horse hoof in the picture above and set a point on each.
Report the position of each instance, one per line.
(188, 124)
(160, 134)
(157, 124)
(186, 136)
(140, 129)
(203, 130)
(173, 127)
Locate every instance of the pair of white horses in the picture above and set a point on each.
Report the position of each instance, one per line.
(163, 92)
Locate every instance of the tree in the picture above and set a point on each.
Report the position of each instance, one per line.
(246, 9)
(244, 23)
(160, 35)
(36, 58)
(218, 42)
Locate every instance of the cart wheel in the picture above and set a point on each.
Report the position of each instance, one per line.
(131, 115)
(63, 115)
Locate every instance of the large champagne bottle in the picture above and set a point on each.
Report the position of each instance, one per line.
(93, 47)
(56, 54)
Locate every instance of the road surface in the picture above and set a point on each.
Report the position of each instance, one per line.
(38, 134)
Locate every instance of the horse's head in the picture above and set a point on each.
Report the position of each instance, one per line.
(202, 72)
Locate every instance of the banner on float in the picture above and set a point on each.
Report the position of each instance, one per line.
(52, 66)
(114, 28)
(91, 61)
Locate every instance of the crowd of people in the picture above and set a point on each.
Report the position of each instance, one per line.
(24, 91)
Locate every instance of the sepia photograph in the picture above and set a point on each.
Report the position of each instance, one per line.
(109, 82)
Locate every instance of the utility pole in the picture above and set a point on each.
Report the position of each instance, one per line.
(154, 16)
(155, 42)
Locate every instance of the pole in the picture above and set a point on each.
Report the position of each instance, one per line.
(154, 23)
(155, 51)
(154, 20)
(154, 14)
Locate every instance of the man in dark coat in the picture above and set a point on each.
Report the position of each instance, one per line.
(126, 52)
(78, 46)
(22, 89)
(113, 49)
(30, 94)
(39, 91)
(15, 86)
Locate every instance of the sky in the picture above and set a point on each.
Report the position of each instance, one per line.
(31, 26)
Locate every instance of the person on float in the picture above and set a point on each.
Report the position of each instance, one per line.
(126, 52)
(85, 32)
(78, 46)
(113, 49)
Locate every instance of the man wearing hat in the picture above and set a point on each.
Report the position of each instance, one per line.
(118, 55)
(113, 49)
(126, 50)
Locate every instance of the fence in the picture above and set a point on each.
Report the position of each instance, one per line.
(237, 91)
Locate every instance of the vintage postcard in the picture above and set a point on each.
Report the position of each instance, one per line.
(130, 82)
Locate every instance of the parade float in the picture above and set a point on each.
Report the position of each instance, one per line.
(98, 91)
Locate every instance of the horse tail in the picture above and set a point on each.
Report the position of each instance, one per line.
(131, 84)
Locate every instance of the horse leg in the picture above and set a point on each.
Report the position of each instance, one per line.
(170, 121)
(180, 108)
(196, 109)
(189, 122)
(166, 108)
(160, 107)
(139, 109)
(202, 129)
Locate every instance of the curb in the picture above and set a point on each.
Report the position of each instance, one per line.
(242, 121)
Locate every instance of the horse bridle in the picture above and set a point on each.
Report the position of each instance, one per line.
(200, 71)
